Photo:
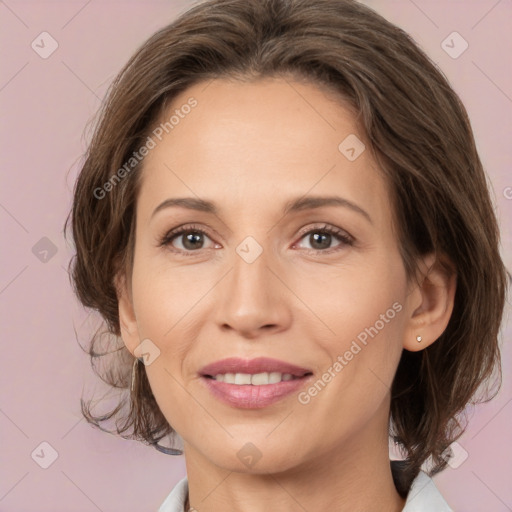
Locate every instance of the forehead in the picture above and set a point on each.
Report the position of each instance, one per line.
(248, 143)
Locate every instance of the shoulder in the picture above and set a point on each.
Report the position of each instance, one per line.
(175, 502)
(425, 497)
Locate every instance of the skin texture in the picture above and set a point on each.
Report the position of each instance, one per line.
(251, 147)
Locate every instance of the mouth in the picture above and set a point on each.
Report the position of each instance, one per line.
(255, 379)
(257, 366)
(255, 383)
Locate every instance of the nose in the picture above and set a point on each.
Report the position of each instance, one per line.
(253, 300)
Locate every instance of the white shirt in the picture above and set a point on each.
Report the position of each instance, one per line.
(423, 497)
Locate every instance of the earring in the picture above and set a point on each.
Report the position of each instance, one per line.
(418, 339)
(134, 371)
(160, 448)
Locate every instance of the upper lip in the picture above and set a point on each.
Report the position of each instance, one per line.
(252, 366)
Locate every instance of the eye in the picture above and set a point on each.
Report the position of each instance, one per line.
(189, 239)
(186, 239)
(320, 239)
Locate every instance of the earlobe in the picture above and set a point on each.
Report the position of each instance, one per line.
(127, 320)
(435, 292)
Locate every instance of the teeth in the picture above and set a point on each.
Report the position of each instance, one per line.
(242, 378)
(258, 379)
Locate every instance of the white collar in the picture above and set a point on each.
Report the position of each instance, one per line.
(423, 497)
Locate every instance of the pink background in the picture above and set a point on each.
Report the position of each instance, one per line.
(46, 104)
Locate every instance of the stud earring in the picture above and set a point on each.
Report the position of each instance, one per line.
(418, 339)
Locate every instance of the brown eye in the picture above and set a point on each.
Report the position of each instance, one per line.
(320, 239)
(186, 239)
(192, 240)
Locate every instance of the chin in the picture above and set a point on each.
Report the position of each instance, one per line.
(253, 458)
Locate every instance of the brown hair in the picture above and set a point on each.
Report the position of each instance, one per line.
(420, 135)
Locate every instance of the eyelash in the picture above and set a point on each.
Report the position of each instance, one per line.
(342, 236)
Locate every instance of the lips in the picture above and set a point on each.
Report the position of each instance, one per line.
(252, 366)
(250, 396)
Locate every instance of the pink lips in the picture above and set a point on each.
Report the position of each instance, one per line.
(248, 396)
(252, 366)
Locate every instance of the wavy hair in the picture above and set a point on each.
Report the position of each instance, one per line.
(421, 137)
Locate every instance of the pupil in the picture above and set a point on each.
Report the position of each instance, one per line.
(326, 240)
(191, 239)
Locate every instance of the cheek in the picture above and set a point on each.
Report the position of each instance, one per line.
(164, 302)
(352, 296)
(364, 309)
(166, 298)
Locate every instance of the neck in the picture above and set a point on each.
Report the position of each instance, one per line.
(354, 476)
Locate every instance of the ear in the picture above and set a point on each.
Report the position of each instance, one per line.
(127, 320)
(431, 303)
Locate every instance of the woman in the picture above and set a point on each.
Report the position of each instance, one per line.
(284, 217)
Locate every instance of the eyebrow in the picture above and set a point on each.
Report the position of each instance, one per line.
(294, 205)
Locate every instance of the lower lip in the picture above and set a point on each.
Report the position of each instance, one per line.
(247, 396)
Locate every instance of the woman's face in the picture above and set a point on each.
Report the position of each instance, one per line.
(254, 274)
